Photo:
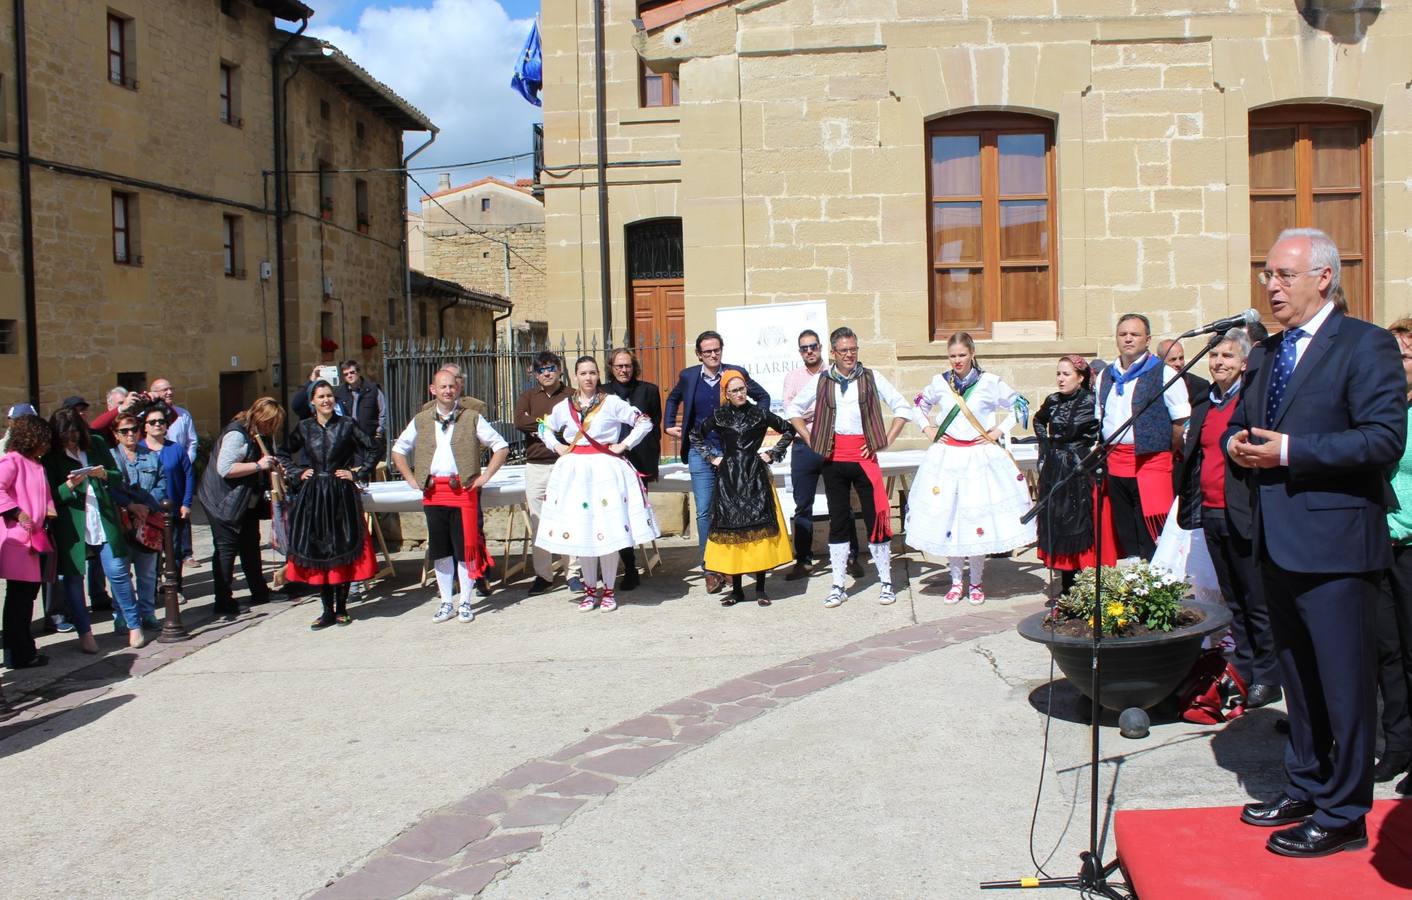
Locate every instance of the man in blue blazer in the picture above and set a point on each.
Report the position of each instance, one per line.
(1322, 420)
(697, 394)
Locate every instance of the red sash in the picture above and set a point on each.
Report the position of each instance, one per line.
(1153, 472)
(595, 446)
(849, 448)
(440, 493)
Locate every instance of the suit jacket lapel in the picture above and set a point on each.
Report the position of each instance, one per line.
(1312, 359)
(1258, 386)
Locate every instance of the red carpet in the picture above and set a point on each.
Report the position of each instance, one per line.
(1183, 854)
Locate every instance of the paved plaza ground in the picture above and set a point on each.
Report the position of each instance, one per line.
(671, 748)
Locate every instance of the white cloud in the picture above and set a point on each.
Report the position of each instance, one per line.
(452, 60)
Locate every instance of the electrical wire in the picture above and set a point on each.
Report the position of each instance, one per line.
(470, 230)
(398, 170)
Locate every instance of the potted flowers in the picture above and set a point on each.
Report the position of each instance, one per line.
(1152, 632)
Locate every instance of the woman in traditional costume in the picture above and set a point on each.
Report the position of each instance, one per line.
(968, 496)
(329, 545)
(1067, 428)
(595, 503)
(747, 525)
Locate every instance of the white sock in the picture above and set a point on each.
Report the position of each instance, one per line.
(977, 570)
(957, 578)
(882, 558)
(467, 582)
(590, 571)
(444, 569)
(838, 562)
(608, 564)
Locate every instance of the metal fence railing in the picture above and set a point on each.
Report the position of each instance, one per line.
(498, 375)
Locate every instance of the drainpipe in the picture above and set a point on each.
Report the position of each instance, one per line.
(406, 245)
(277, 90)
(495, 330)
(441, 317)
(601, 124)
(31, 307)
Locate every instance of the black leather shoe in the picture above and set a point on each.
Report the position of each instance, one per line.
(630, 579)
(1393, 764)
(1263, 695)
(1309, 839)
(855, 567)
(540, 585)
(1281, 811)
(482, 588)
(797, 571)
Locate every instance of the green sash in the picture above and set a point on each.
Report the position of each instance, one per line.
(955, 411)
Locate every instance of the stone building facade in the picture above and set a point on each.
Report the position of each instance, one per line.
(487, 236)
(153, 202)
(1025, 170)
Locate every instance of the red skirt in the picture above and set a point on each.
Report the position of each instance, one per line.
(360, 569)
(1087, 559)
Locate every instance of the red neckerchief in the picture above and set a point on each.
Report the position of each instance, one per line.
(582, 425)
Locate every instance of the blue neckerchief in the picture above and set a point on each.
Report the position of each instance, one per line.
(960, 383)
(843, 381)
(1219, 400)
(1133, 374)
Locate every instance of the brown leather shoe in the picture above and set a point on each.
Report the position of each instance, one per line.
(714, 582)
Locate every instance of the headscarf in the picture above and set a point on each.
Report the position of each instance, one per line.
(1081, 367)
(726, 379)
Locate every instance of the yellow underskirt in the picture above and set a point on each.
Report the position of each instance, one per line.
(752, 557)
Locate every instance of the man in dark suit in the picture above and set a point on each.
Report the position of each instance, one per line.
(1320, 423)
(697, 394)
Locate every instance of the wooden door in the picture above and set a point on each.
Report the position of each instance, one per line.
(237, 393)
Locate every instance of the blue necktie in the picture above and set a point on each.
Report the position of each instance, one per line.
(1279, 378)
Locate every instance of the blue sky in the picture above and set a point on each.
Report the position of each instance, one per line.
(452, 59)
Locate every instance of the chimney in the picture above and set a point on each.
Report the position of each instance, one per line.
(443, 182)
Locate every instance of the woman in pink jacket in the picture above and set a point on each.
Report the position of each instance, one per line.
(25, 503)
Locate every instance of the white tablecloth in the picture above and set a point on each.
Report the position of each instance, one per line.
(507, 488)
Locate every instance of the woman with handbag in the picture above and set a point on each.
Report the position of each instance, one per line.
(232, 493)
(747, 525)
(968, 496)
(80, 470)
(329, 546)
(144, 485)
(26, 507)
(595, 503)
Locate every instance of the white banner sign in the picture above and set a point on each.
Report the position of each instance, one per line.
(764, 340)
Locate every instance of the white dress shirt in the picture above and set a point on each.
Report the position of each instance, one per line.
(848, 419)
(93, 534)
(1118, 408)
(443, 461)
(1301, 344)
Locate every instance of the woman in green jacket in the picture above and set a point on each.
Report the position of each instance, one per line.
(84, 478)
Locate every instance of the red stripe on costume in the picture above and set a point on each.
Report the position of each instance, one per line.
(478, 558)
(849, 448)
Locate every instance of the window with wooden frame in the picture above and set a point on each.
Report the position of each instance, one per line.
(991, 221)
(121, 70)
(360, 201)
(233, 255)
(1309, 168)
(125, 229)
(229, 91)
(654, 88)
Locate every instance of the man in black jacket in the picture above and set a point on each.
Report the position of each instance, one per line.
(363, 402)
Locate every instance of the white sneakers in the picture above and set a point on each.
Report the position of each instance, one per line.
(447, 610)
(886, 597)
(835, 598)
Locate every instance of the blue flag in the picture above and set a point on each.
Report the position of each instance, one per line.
(529, 68)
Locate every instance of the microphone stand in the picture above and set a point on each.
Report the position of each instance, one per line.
(1093, 872)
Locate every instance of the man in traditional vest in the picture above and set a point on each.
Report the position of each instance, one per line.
(1140, 466)
(845, 402)
(444, 443)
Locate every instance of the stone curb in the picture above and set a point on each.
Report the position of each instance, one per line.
(463, 847)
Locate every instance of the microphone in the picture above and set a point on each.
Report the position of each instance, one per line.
(1249, 317)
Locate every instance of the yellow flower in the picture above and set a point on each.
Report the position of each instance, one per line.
(1122, 622)
(1115, 608)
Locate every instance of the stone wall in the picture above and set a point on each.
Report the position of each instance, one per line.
(477, 260)
(801, 138)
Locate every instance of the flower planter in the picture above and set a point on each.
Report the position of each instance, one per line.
(1135, 671)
